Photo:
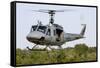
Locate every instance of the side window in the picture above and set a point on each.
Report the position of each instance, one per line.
(48, 32)
(33, 28)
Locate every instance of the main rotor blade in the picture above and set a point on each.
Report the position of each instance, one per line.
(47, 11)
(56, 10)
(40, 11)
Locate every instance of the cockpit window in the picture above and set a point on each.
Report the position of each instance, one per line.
(42, 29)
(33, 28)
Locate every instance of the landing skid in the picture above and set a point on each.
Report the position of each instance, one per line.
(45, 49)
(34, 49)
(30, 48)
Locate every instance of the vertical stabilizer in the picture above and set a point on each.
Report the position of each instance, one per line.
(83, 30)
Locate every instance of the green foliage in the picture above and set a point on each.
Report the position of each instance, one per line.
(81, 52)
(81, 49)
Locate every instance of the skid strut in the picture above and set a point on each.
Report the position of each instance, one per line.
(32, 47)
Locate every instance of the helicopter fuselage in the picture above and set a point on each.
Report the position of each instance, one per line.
(51, 35)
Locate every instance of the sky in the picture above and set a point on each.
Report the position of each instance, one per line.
(70, 20)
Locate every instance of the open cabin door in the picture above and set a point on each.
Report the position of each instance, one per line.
(60, 35)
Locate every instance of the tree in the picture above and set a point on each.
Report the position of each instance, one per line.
(81, 49)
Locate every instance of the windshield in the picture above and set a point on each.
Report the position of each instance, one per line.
(33, 28)
(42, 29)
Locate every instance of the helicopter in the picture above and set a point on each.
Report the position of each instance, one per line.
(51, 34)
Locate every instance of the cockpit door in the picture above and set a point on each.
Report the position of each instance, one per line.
(60, 35)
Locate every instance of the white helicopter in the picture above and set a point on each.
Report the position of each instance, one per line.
(51, 34)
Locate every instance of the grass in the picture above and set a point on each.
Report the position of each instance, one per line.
(81, 52)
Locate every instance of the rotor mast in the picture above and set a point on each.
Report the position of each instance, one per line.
(51, 13)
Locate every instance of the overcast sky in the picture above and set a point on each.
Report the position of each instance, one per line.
(70, 20)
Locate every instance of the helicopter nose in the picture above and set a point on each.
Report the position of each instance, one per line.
(29, 38)
(34, 36)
